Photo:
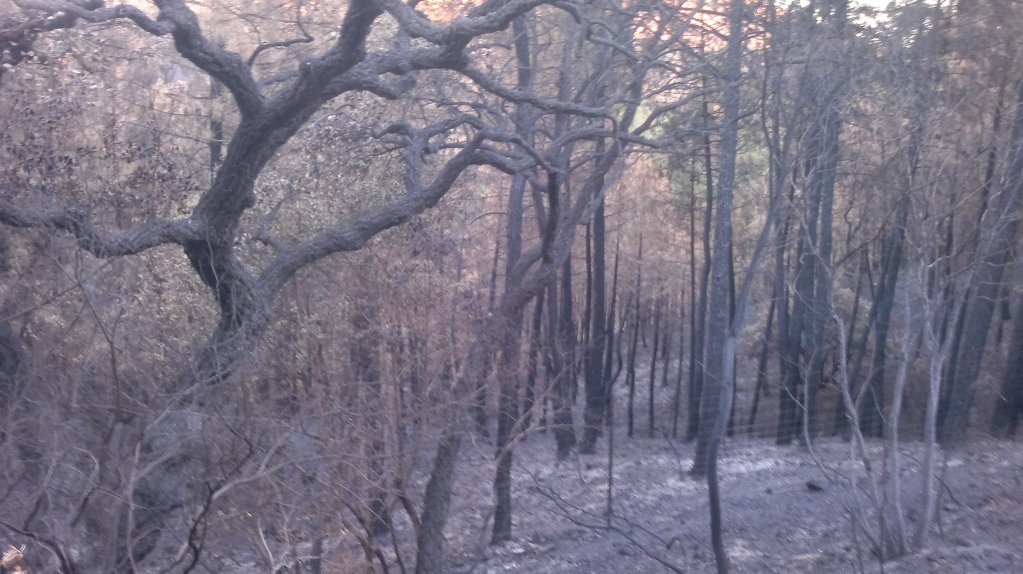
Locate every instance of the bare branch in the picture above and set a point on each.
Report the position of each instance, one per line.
(304, 39)
(18, 37)
(94, 12)
(549, 105)
(355, 234)
(222, 64)
(101, 244)
(491, 16)
(180, 22)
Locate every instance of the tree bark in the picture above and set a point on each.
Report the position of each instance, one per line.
(872, 408)
(652, 387)
(699, 336)
(988, 277)
(719, 383)
(630, 371)
(596, 409)
(1009, 404)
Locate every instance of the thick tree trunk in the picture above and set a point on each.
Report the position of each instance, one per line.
(1009, 404)
(529, 399)
(988, 277)
(507, 419)
(825, 172)
(564, 438)
(12, 354)
(609, 375)
(437, 503)
(873, 406)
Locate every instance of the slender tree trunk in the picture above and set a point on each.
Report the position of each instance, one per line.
(677, 399)
(365, 362)
(789, 354)
(595, 411)
(609, 375)
(569, 342)
(698, 352)
(630, 373)
(719, 382)
(482, 419)
(508, 371)
(653, 369)
(513, 316)
(803, 337)
(762, 366)
(731, 317)
(695, 329)
(666, 341)
(841, 419)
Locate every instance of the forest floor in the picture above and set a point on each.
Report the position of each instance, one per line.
(782, 512)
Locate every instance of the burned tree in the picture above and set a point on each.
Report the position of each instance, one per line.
(217, 236)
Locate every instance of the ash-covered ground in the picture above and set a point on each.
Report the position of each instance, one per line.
(785, 510)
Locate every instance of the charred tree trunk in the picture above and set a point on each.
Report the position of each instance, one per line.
(1009, 404)
(677, 399)
(765, 351)
(508, 372)
(824, 181)
(609, 375)
(569, 381)
(12, 354)
(437, 503)
(561, 414)
(596, 407)
(365, 361)
(790, 335)
(716, 399)
(873, 406)
(981, 307)
(698, 352)
(630, 370)
(529, 399)
(652, 387)
(513, 316)
(507, 419)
